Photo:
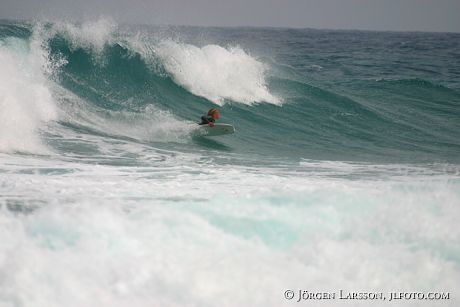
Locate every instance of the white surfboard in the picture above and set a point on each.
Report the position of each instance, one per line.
(218, 129)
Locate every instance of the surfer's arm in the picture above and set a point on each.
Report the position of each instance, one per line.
(211, 121)
(206, 119)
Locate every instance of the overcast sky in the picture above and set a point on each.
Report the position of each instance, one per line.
(400, 15)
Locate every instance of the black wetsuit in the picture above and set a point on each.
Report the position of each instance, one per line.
(206, 119)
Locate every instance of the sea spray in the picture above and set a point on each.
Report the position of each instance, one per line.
(26, 100)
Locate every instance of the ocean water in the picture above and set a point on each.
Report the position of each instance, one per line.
(343, 173)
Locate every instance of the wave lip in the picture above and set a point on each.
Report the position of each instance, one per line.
(217, 73)
(26, 100)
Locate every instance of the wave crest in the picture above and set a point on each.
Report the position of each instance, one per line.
(217, 73)
(26, 100)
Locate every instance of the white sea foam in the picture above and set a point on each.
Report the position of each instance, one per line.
(217, 73)
(112, 236)
(151, 124)
(26, 101)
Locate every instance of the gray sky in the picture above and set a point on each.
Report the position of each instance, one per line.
(405, 15)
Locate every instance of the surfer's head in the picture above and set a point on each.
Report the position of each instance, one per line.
(214, 113)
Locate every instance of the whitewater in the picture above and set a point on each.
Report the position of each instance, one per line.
(343, 173)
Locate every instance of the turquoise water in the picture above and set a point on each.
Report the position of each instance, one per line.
(343, 172)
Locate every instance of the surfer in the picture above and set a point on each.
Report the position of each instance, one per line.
(210, 118)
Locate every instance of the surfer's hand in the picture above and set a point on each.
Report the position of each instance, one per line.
(211, 124)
